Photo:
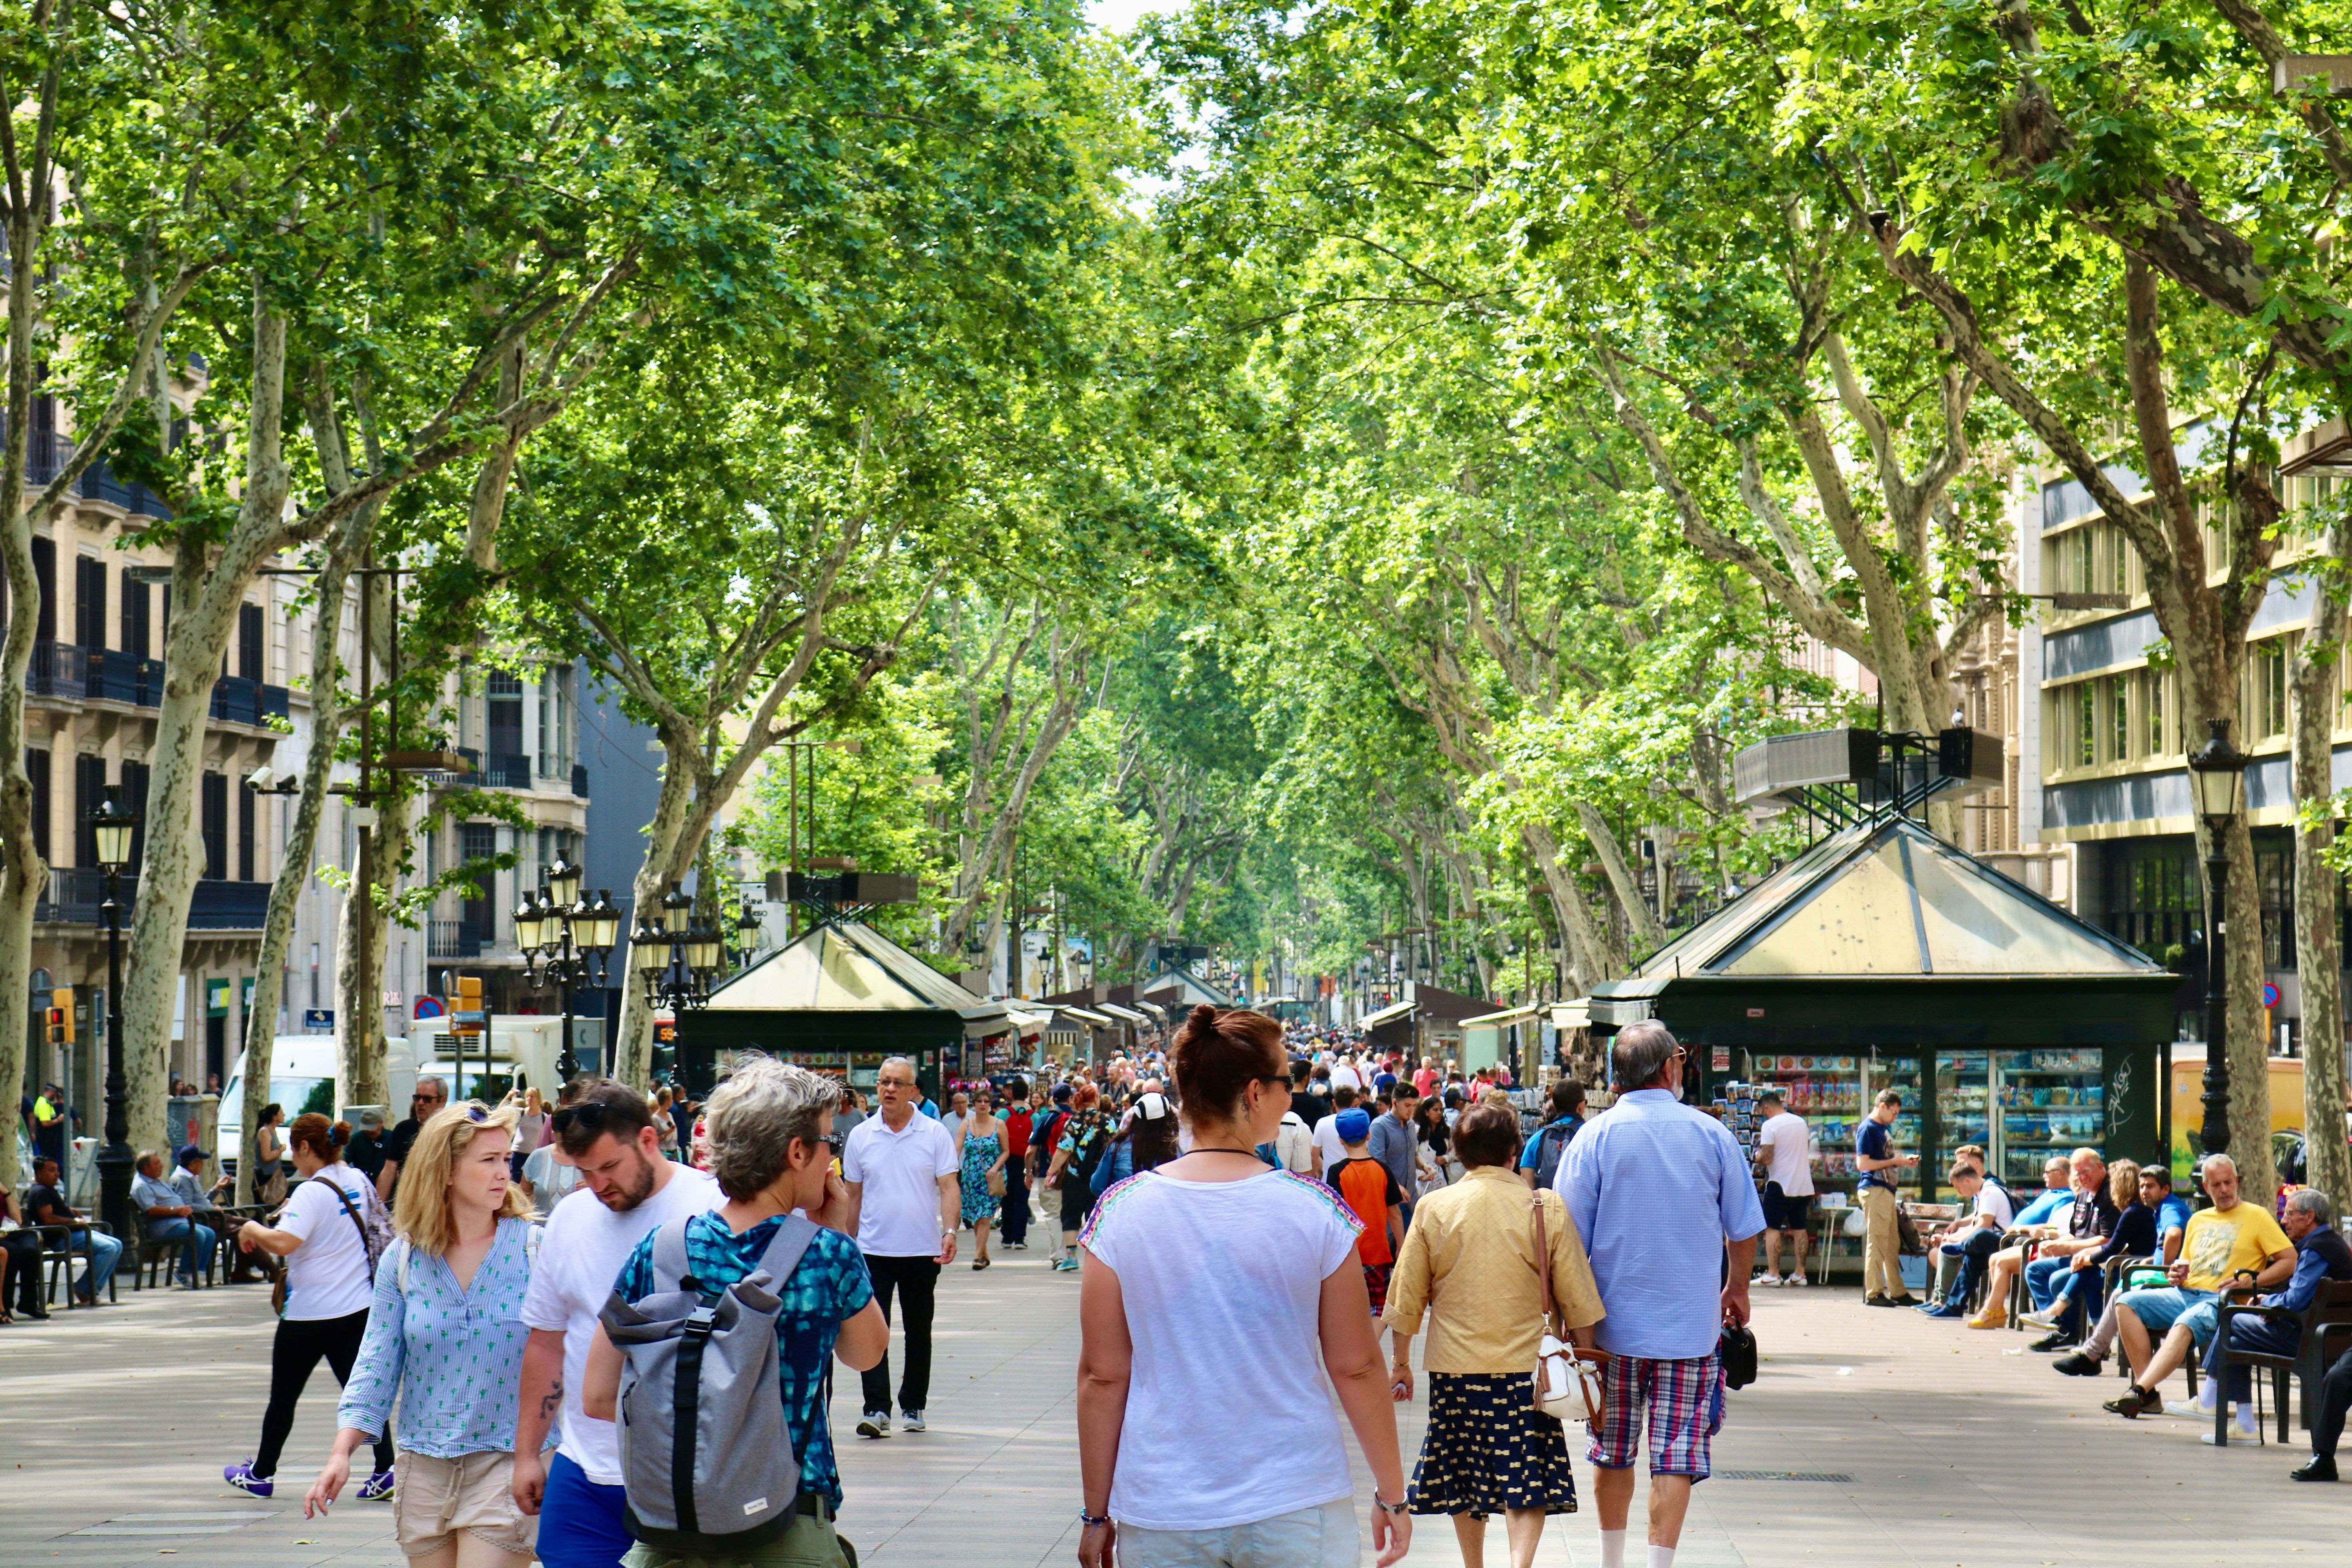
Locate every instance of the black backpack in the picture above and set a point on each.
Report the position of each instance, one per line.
(1550, 1144)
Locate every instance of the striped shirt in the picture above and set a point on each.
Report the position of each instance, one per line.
(1655, 1188)
(452, 1355)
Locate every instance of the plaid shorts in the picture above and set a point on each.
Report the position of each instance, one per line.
(1376, 1285)
(1677, 1397)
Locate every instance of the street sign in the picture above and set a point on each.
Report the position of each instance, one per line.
(430, 1007)
(2270, 996)
(318, 1017)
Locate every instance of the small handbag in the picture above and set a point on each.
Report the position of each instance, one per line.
(1563, 1385)
(997, 1182)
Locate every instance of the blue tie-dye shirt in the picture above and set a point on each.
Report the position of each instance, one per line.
(829, 1285)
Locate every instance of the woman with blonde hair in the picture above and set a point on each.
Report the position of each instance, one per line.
(446, 1338)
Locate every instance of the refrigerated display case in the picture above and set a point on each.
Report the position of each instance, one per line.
(2050, 1101)
(1902, 1074)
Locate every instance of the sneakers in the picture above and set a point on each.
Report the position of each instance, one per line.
(242, 1478)
(1765, 1282)
(2051, 1342)
(1949, 1309)
(1069, 1265)
(2078, 1364)
(2246, 1430)
(1797, 1279)
(2134, 1403)
(1905, 1300)
(1877, 1301)
(911, 1421)
(874, 1424)
(379, 1487)
(2045, 1318)
(1016, 1246)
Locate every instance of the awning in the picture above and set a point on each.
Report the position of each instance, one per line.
(1125, 1015)
(1575, 1015)
(1158, 1014)
(1030, 1024)
(1085, 1015)
(1508, 1015)
(1276, 1001)
(1399, 1010)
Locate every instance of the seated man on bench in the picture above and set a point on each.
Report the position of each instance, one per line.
(2320, 1253)
(2228, 1245)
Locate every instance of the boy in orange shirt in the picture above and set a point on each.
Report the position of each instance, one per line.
(1365, 1185)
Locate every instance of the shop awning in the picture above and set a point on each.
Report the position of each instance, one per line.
(1086, 1015)
(1508, 1015)
(1124, 1015)
(1029, 1023)
(1575, 1015)
(1398, 1010)
(849, 969)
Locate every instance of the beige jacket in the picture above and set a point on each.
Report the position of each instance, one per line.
(1469, 1261)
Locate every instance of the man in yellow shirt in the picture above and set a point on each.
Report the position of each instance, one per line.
(2231, 1246)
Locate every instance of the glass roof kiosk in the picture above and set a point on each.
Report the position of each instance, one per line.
(1883, 957)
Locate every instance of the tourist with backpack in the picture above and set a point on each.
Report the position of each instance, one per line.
(330, 1233)
(442, 1340)
(1085, 1138)
(1539, 1161)
(766, 1298)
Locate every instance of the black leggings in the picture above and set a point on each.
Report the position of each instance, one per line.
(293, 1356)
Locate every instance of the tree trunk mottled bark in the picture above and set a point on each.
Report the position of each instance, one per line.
(2318, 903)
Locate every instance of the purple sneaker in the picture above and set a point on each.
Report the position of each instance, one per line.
(242, 1478)
(378, 1487)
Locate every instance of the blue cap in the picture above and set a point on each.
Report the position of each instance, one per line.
(1355, 1125)
(189, 1152)
(1061, 1094)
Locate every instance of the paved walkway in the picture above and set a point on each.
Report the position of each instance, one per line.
(1920, 1443)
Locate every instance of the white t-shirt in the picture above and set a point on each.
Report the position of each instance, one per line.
(1294, 1144)
(1993, 1199)
(551, 1182)
(1327, 1139)
(327, 1276)
(899, 1207)
(1345, 1073)
(1788, 1143)
(580, 1256)
(1207, 1269)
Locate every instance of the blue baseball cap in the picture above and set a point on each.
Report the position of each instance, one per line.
(1355, 1125)
(189, 1152)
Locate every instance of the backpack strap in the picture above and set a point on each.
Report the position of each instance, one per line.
(793, 1240)
(404, 1250)
(669, 1260)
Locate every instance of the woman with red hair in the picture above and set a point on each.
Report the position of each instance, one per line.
(1085, 1138)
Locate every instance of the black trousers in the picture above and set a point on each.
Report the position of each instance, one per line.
(916, 1282)
(293, 1356)
(2334, 1402)
(1013, 1216)
(24, 1255)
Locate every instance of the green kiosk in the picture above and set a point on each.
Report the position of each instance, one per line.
(1883, 957)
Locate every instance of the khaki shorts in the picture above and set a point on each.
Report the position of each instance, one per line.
(438, 1497)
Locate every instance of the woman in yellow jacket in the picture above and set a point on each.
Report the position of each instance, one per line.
(1470, 1259)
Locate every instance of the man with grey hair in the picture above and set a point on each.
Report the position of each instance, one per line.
(2320, 1253)
(1661, 1192)
(426, 1098)
(905, 1201)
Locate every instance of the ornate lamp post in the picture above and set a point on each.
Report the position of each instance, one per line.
(677, 959)
(114, 826)
(565, 941)
(2217, 777)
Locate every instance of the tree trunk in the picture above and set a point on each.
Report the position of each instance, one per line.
(1639, 917)
(632, 1038)
(362, 1075)
(208, 592)
(2318, 903)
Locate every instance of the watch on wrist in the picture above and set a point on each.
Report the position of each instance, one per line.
(1395, 1510)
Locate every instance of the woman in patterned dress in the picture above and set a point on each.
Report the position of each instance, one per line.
(983, 1159)
(445, 1338)
(1471, 1260)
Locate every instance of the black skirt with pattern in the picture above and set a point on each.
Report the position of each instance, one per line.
(1488, 1449)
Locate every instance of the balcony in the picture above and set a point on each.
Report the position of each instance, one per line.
(114, 675)
(452, 939)
(58, 669)
(580, 780)
(76, 894)
(98, 482)
(237, 700)
(506, 770)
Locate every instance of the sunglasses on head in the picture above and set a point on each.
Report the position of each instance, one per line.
(591, 1116)
(476, 1115)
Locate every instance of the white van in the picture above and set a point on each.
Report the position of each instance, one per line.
(519, 1052)
(302, 1078)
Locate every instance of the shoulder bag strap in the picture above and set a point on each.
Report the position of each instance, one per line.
(1543, 1257)
(344, 1198)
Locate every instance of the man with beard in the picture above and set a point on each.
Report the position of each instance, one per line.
(626, 1189)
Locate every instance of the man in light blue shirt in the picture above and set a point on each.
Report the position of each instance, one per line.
(1661, 1192)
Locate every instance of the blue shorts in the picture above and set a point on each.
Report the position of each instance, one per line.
(2159, 1309)
(580, 1522)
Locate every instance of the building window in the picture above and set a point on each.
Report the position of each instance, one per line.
(90, 788)
(250, 634)
(215, 826)
(2266, 693)
(37, 764)
(2087, 724)
(245, 802)
(2119, 731)
(134, 618)
(2152, 706)
(2275, 879)
(89, 602)
(479, 841)
(2154, 900)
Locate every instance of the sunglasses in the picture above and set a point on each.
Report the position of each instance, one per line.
(591, 1116)
(476, 1115)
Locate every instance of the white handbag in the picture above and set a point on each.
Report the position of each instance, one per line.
(1562, 1385)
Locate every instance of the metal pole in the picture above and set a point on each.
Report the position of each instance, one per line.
(567, 1064)
(2215, 1135)
(114, 1156)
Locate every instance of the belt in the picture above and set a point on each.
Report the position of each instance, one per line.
(814, 1506)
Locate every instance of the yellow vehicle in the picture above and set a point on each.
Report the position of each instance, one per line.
(2287, 1114)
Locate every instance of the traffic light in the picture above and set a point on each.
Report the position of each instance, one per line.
(61, 1016)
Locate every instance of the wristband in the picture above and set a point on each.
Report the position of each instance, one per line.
(1092, 1519)
(1395, 1510)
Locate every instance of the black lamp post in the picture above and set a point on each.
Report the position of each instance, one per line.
(2217, 776)
(678, 958)
(573, 937)
(113, 826)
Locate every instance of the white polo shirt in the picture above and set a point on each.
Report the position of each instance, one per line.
(899, 1173)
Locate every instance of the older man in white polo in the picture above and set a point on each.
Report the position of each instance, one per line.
(904, 1203)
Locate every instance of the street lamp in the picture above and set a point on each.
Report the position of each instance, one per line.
(677, 959)
(2217, 777)
(565, 941)
(113, 826)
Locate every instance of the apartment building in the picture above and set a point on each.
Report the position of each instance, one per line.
(90, 709)
(2111, 740)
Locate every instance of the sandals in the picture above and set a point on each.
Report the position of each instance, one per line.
(979, 1263)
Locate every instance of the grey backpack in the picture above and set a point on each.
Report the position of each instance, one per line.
(705, 1463)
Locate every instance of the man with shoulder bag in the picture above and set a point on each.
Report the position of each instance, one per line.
(1661, 1196)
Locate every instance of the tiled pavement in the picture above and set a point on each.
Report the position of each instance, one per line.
(1946, 1446)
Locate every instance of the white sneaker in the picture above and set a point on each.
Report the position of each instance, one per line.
(911, 1421)
(2045, 1320)
(874, 1426)
(1794, 1279)
(2242, 1429)
(1768, 1280)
